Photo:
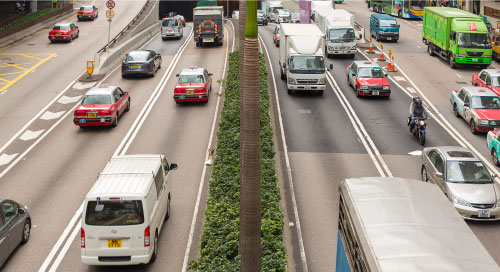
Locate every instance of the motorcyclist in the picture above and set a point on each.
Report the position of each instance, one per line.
(418, 111)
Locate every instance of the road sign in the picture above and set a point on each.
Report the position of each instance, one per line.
(90, 67)
(110, 13)
(110, 4)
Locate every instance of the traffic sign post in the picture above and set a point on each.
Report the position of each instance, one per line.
(110, 13)
(110, 4)
(90, 67)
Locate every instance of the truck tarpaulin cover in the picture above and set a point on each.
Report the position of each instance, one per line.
(303, 44)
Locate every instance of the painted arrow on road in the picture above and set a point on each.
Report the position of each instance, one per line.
(30, 135)
(69, 100)
(416, 153)
(5, 159)
(48, 115)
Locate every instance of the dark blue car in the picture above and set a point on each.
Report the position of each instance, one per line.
(144, 62)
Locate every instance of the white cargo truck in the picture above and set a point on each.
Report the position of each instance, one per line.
(338, 27)
(302, 59)
(320, 6)
(270, 8)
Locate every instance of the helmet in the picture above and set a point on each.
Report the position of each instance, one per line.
(415, 99)
(418, 101)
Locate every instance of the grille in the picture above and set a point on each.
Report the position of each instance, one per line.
(375, 87)
(482, 206)
(114, 259)
(307, 81)
(475, 54)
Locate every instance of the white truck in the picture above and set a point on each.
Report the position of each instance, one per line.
(320, 6)
(338, 27)
(302, 59)
(270, 8)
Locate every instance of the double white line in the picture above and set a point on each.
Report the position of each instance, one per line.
(122, 149)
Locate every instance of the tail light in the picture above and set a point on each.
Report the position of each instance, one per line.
(105, 112)
(178, 91)
(146, 237)
(82, 235)
(200, 91)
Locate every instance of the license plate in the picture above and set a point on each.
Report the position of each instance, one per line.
(114, 243)
(182, 97)
(190, 92)
(483, 213)
(474, 60)
(493, 123)
(91, 114)
(170, 30)
(58, 34)
(208, 40)
(82, 120)
(135, 67)
(389, 38)
(375, 93)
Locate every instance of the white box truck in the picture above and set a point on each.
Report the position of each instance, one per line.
(208, 25)
(271, 7)
(320, 6)
(302, 59)
(338, 27)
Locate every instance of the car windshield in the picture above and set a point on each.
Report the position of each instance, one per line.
(342, 35)
(371, 72)
(137, 56)
(86, 8)
(485, 102)
(260, 13)
(169, 23)
(191, 79)
(114, 213)
(307, 64)
(295, 15)
(282, 12)
(61, 27)
(467, 172)
(96, 99)
(388, 23)
(474, 40)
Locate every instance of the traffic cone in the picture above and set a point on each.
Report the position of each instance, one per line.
(381, 57)
(389, 64)
(370, 50)
(393, 66)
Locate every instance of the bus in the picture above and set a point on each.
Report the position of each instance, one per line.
(397, 224)
(410, 9)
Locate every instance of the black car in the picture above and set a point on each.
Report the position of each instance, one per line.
(15, 227)
(143, 62)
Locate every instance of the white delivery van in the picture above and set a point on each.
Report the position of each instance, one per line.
(340, 35)
(123, 213)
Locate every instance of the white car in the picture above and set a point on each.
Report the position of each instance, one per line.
(125, 210)
(281, 16)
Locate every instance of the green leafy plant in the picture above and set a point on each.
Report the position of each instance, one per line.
(219, 241)
(30, 17)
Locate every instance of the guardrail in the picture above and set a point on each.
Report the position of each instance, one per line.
(115, 39)
(361, 28)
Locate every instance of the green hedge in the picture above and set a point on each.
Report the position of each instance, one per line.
(219, 240)
(29, 17)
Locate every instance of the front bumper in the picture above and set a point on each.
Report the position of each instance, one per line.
(388, 36)
(473, 213)
(304, 87)
(125, 260)
(191, 98)
(85, 17)
(486, 128)
(472, 60)
(333, 51)
(86, 122)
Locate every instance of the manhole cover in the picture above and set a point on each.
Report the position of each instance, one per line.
(461, 82)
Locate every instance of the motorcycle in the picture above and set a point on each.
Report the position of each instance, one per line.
(418, 129)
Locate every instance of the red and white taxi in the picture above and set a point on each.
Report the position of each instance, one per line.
(489, 78)
(102, 106)
(368, 79)
(193, 85)
(87, 12)
(64, 31)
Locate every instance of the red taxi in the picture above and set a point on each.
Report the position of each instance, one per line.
(489, 78)
(87, 13)
(102, 106)
(64, 31)
(193, 85)
(368, 79)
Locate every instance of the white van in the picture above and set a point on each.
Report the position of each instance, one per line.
(124, 211)
(171, 27)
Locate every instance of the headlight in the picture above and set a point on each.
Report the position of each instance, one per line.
(380, 32)
(483, 122)
(364, 87)
(386, 88)
(459, 201)
(460, 56)
(422, 123)
(290, 80)
(353, 48)
(322, 80)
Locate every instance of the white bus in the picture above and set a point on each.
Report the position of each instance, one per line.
(397, 224)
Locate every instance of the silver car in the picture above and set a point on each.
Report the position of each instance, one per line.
(464, 180)
(15, 227)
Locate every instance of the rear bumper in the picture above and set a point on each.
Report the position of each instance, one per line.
(136, 72)
(59, 38)
(305, 87)
(86, 122)
(141, 259)
(191, 98)
(373, 93)
(170, 34)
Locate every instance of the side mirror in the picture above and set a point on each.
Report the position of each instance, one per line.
(466, 105)
(20, 211)
(173, 166)
(177, 75)
(439, 174)
(493, 175)
(125, 93)
(331, 66)
(353, 74)
(210, 74)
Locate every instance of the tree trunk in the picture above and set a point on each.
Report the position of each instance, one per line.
(250, 171)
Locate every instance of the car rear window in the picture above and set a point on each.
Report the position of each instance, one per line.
(137, 56)
(96, 99)
(169, 23)
(370, 72)
(114, 213)
(191, 79)
(86, 8)
(61, 27)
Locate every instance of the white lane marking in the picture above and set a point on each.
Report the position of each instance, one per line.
(411, 90)
(69, 99)
(360, 130)
(436, 59)
(5, 159)
(82, 86)
(78, 213)
(287, 163)
(65, 248)
(4, 92)
(458, 75)
(33, 71)
(48, 115)
(304, 111)
(30, 135)
(200, 187)
(419, 46)
(415, 153)
(399, 78)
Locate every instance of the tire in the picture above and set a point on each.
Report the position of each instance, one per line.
(164, 39)
(352, 56)
(455, 110)
(290, 92)
(495, 55)
(78, 34)
(368, 4)
(358, 93)
(484, 66)
(128, 105)
(495, 157)
(452, 62)
(320, 92)
(167, 214)
(473, 127)
(423, 173)
(153, 73)
(70, 39)
(429, 50)
(282, 76)
(115, 123)
(26, 231)
(159, 65)
(124, 76)
(155, 249)
(421, 138)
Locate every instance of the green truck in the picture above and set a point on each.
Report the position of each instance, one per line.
(457, 36)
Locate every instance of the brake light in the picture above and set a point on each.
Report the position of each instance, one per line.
(82, 235)
(201, 91)
(179, 90)
(146, 237)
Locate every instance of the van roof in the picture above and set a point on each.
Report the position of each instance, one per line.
(383, 17)
(133, 164)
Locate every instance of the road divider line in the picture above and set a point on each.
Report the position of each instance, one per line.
(287, 163)
(202, 179)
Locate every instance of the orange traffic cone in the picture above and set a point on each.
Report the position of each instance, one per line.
(370, 50)
(381, 57)
(389, 64)
(393, 66)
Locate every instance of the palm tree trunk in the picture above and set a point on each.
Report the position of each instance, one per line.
(250, 171)
(241, 33)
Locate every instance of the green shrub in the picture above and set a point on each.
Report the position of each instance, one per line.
(219, 240)
(29, 17)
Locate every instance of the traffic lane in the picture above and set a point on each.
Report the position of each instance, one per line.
(489, 235)
(181, 132)
(170, 46)
(312, 123)
(26, 97)
(66, 165)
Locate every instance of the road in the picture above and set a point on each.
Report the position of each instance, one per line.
(323, 146)
(57, 171)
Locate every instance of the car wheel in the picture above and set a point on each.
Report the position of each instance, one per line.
(455, 110)
(290, 92)
(167, 215)
(494, 156)
(400, 14)
(128, 105)
(473, 127)
(429, 49)
(159, 64)
(163, 38)
(424, 174)
(484, 66)
(153, 73)
(77, 34)
(320, 92)
(495, 55)
(358, 92)
(452, 62)
(115, 122)
(26, 231)
(70, 39)
(155, 249)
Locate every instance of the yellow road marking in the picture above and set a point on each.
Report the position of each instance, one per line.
(28, 56)
(25, 73)
(10, 73)
(5, 80)
(24, 63)
(14, 65)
